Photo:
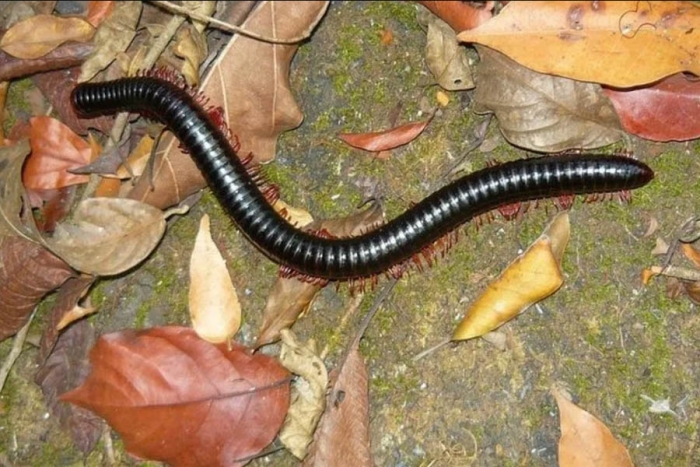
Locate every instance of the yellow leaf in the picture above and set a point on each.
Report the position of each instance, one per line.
(214, 307)
(620, 44)
(38, 35)
(585, 441)
(533, 276)
(296, 216)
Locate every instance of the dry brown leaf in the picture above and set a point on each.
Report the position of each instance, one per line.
(342, 438)
(585, 441)
(258, 109)
(192, 44)
(533, 276)
(661, 247)
(446, 59)
(108, 236)
(214, 307)
(541, 112)
(12, 194)
(308, 393)
(691, 253)
(461, 15)
(27, 272)
(621, 44)
(38, 35)
(386, 139)
(290, 296)
(112, 38)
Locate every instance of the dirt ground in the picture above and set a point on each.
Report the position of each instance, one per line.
(610, 340)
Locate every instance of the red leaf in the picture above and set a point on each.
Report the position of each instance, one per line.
(28, 271)
(387, 139)
(55, 150)
(178, 399)
(666, 111)
(461, 15)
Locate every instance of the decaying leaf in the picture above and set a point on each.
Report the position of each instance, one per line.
(295, 216)
(666, 111)
(112, 38)
(461, 15)
(38, 35)
(107, 236)
(214, 307)
(533, 276)
(27, 272)
(65, 56)
(55, 151)
(541, 112)
(585, 441)
(607, 37)
(259, 109)
(290, 296)
(446, 59)
(342, 438)
(308, 393)
(66, 367)
(12, 194)
(387, 139)
(178, 399)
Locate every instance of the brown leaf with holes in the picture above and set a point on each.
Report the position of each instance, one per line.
(541, 112)
(107, 236)
(585, 441)
(250, 82)
(621, 44)
(28, 271)
(387, 139)
(290, 297)
(55, 150)
(461, 15)
(342, 436)
(175, 398)
(38, 35)
(65, 368)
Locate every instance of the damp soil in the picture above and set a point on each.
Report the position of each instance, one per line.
(607, 338)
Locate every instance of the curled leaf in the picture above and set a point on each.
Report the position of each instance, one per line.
(38, 35)
(108, 236)
(308, 393)
(213, 302)
(446, 59)
(533, 276)
(387, 139)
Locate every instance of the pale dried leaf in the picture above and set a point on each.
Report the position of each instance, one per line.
(308, 393)
(661, 247)
(108, 236)
(214, 307)
(296, 216)
(446, 59)
(112, 38)
(38, 35)
(541, 112)
(12, 194)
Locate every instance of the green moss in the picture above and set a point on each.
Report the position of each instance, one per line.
(17, 100)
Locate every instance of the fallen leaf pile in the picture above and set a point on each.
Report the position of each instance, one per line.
(83, 199)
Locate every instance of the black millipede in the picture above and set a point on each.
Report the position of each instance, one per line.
(379, 250)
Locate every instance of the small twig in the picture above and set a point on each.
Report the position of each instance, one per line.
(677, 272)
(16, 350)
(237, 29)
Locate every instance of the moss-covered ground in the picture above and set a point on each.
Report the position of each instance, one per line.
(605, 336)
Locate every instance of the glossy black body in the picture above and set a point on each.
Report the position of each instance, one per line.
(375, 251)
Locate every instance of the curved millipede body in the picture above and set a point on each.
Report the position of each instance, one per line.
(379, 250)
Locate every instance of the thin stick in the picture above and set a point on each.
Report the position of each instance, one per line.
(16, 350)
(237, 29)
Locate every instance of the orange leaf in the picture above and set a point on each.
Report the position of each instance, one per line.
(387, 139)
(533, 276)
(691, 253)
(38, 35)
(176, 398)
(55, 151)
(585, 441)
(97, 11)
(461, 15)
(622, 44)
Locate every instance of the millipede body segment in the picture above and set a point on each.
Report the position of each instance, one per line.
(379, 250)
